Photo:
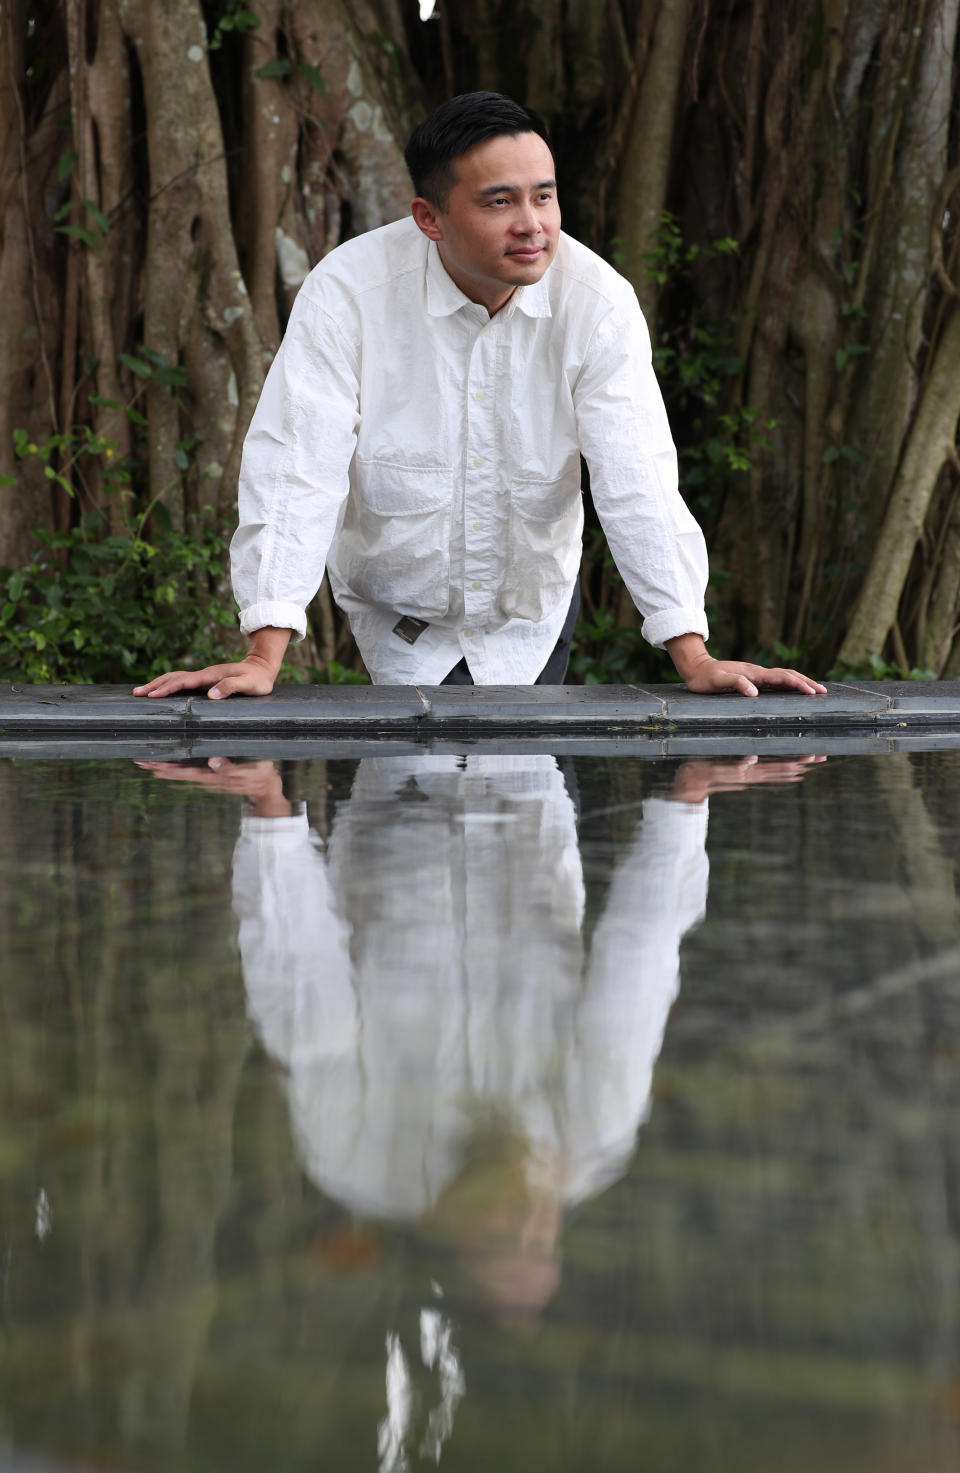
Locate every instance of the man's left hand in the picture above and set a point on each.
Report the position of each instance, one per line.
(738, 675)
(702, 673)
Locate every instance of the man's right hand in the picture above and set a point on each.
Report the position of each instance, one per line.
(254, 675)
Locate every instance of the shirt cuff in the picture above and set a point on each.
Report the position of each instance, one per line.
(281, 832)
(658, 628)
(277, 616)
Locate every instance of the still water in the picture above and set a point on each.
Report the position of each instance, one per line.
(496, 1112)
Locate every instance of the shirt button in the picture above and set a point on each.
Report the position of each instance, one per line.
(468, 634)
(476, 585)
(478, 462)
(480, 394)
(478, 526)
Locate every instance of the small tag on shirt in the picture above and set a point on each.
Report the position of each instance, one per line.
(410, 629)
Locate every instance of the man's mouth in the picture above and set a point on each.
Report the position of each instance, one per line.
(527, 253)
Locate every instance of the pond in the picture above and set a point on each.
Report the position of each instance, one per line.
(478, 1109)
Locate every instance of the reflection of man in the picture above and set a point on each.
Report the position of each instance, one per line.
(456, 1054)
(424, 983)
(420, 434)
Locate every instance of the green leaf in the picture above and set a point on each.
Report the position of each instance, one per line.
(313, 77)
(7, 480)
(105, 403)
(16, 583)
(175, 376)
(66, 165)
(97, 214)
(78, 232)
(136, 365)
(279, 67)
(830, 455)
(63, 211)
(61, 481)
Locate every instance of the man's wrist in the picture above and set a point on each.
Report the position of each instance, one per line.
(687, 651)
(267, 647)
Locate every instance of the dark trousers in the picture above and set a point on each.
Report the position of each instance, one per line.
(555, 668)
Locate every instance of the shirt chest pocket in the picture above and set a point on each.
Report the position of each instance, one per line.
(394, 544)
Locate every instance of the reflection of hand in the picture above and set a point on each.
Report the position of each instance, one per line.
(695, 781)
(260, 782)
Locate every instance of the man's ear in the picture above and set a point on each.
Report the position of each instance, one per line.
(427, 217)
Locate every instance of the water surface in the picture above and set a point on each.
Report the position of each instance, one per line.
(482, 1110)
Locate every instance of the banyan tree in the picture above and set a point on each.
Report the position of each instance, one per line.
(780, 182)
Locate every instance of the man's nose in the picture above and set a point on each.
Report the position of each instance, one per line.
(525, 221)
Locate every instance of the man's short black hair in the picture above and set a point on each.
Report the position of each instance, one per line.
(457, 126)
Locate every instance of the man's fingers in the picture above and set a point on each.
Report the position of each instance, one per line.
(246, 683)
(795, 679)
(247, 676)
(173, 680)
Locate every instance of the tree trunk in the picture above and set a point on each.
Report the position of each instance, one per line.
(645, 169)
(930, 444)
(191, 268)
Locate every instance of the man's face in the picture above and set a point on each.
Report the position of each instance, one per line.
(499, 229)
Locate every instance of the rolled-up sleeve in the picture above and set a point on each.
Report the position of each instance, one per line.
(625, 437)
(294, 475)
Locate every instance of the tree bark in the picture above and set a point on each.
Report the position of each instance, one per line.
(191, 263)
(930, 444)
(645, 169)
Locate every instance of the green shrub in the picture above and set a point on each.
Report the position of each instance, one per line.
(95, 605)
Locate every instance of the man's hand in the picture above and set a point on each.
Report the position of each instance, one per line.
(254, 675)
(259, 782)
(696, 780)
(702, 673)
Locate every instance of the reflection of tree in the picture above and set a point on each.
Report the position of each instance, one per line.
(813, 1132)
(121, 1064)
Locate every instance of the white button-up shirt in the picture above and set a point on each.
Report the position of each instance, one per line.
(429, 455)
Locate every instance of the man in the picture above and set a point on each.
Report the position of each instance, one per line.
(420, 434)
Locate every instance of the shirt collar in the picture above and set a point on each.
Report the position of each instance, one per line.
(444, 297)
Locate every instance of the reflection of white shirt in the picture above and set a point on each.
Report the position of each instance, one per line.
(433, 452)
(431, 965)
